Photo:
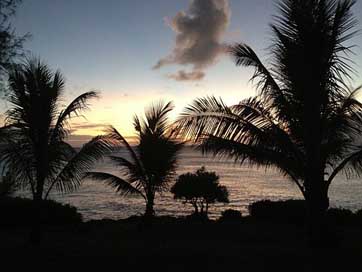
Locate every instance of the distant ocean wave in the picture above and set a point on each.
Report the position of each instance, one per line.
(245, 184)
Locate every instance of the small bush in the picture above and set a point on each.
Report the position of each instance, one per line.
(230, 215)
(339, 216)
(294, 211)
(200, 189)
(197, 218)
(358, 217)
(23, 212)
(289, 211)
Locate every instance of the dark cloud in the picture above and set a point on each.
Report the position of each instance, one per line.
(185, 76)
(79, 140)
(199, 37)
(88, 126)
(75, 127)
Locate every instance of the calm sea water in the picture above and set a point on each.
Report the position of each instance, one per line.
(245, 184)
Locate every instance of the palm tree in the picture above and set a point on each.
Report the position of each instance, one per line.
(34, 150)
(304, 121)
(151, 164)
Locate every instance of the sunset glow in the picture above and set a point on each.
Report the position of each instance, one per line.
(105, 48)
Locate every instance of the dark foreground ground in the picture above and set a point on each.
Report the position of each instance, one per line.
(177, 245)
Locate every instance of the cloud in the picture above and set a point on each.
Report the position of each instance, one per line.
(80, 140)
(187, 76)
(77, 127)
(88, 126)
(199, 35)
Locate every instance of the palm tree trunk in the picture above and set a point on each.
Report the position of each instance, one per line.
(38, 214)
(36, 232)
(150, 212)
(40, 180)
(317, 205)
(39, 188)
(315, 186)
(38, 195)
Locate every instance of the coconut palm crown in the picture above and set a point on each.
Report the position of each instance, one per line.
(34, 149)
(149, 167)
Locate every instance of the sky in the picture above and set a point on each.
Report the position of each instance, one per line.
(135, 52)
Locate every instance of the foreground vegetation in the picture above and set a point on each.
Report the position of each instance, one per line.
(21, 212)
(177, 244)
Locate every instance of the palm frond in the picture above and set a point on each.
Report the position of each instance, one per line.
(72, 174)
(16, 157)
(119, 140)
(244, 55)
(202, 117)
(129, 169)
(352, 164)
(257, 155)
(160, 168)
(122, 186)
(156, 121)
(74, 109)
(270, 89)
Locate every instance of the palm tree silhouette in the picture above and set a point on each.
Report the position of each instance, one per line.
(305, 120)
(34, 149)
(152, 162)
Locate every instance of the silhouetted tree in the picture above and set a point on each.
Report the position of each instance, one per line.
(33, 149)
(200, 189)
(305, 120)
(11, 45)
(152, 161)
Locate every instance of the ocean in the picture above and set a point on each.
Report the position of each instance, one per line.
(245, 184)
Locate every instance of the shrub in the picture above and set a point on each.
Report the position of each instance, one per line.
(200, 189)
(197, 218)
(358, 217)
(290, 211)
(230, 215)
(337, 216)
(22, 212)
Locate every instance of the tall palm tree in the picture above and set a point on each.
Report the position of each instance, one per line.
(152, 162)
(34, 150)
(305, 120)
